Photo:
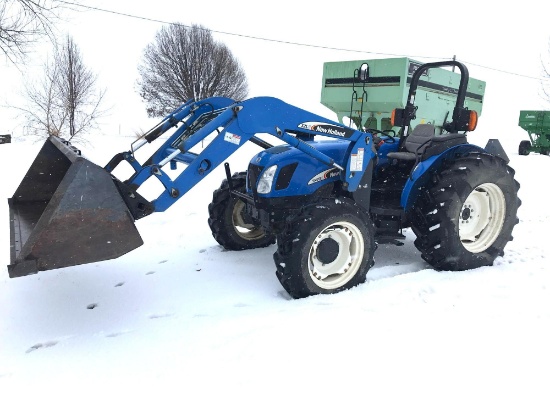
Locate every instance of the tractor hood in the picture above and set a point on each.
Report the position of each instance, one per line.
(297, 173)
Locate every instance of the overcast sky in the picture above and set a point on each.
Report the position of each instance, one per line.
(511, 39)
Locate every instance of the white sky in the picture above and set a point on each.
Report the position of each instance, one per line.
(512, 39)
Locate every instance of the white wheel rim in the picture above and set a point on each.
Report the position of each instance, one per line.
(245, 230)
(351, 249)
(482, 217)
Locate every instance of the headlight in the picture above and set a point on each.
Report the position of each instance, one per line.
(266, 180)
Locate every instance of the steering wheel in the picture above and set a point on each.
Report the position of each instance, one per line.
(388, 133)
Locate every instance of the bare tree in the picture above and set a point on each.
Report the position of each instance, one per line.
(545, 83)
(187, 63)
(23, 22)
(76, 84)
(65, 101)
(44, 113)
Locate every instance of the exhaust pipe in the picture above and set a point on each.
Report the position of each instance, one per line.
(68, 211)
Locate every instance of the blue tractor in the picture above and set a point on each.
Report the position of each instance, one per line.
(326, 196)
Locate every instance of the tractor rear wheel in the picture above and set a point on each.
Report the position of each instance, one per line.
(465, 216)
(231, 226)
(326, 248)
(524, 147)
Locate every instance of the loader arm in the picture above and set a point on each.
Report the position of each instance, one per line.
(235, 124)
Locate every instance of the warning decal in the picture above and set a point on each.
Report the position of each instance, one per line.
(356, 162)
(232, 138)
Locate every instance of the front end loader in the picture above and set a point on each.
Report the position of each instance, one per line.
(327, 195)
(68, 211)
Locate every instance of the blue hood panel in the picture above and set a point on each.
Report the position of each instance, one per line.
(309, 174)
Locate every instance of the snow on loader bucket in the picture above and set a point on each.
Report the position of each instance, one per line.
(68, 211)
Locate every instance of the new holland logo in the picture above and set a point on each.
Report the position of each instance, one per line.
(326, 128)
(324, 175)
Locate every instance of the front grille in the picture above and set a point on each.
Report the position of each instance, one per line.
(285, 175)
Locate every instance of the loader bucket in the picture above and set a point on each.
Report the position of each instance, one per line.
(67, 211)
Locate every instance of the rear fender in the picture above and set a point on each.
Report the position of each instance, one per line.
(423, 171)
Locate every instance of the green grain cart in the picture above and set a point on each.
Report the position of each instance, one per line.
(537, 125)
(369, 103)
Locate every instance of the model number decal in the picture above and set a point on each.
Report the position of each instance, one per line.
(324, 175)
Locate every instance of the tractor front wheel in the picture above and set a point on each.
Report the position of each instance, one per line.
(326, 248)
(231, 226)
(465, 216)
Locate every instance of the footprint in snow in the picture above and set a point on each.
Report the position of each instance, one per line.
(202, 250)
(91, 306)
(150, 272)
(241, 305)
(423, 293)
(42, 346)
(160, 315)
(115, 334)
(119, 284)
(163, 261)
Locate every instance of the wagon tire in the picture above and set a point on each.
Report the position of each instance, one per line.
(524, 147)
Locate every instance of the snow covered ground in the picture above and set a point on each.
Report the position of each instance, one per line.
(181, 324)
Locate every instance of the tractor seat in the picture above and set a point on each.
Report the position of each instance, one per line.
(422, 143)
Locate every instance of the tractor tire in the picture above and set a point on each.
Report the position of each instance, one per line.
(524, 147)
(326, 248)
(230, 225)
(465, 215)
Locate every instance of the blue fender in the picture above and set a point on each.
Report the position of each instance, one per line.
(423, 171)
